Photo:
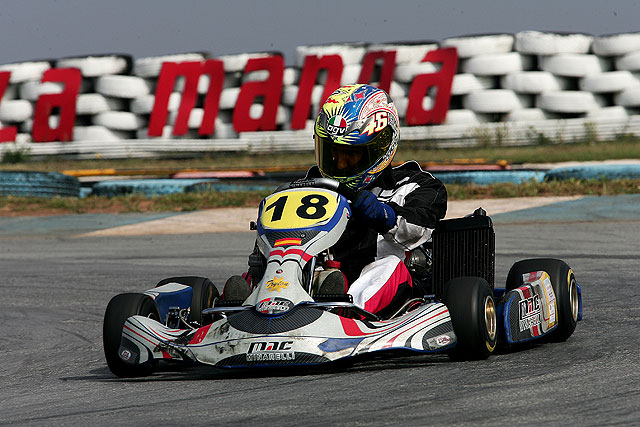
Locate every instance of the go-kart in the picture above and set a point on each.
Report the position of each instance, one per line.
(285, 322)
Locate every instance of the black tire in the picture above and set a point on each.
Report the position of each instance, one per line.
(564, 286)
(119, 309)
(204, 294)
(473, 315)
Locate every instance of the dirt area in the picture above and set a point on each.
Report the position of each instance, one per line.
(237, 219)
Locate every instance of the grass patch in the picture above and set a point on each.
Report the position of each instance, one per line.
(571, 187)
(184, 202)
(621, 148)
(549, 152)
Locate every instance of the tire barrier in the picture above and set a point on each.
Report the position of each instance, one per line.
(469, 46)
(549, 83)
(32, 90)
(497, 64)
(407, 52)
(350, 53)
(95, 66)
(574, 64)
(569, 101)
(616, 44)
(540, 43)
(494, 101)
(15, 110)
(150, 66)
(128, 87)
(466, 83)
(26, 71)
(38, 184)
(533, 82)
(95, 103)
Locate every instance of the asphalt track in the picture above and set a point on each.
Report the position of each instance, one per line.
(55, 287)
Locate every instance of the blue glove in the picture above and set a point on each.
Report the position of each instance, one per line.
(380, 216)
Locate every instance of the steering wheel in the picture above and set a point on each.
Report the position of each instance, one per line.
(326, 183)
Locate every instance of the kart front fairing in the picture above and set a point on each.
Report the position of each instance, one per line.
(281, 323)
(305, 335)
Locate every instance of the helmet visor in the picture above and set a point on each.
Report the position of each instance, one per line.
(346, 160)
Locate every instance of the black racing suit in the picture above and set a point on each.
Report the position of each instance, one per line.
(419, 200)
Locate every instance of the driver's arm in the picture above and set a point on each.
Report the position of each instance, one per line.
(419, 204)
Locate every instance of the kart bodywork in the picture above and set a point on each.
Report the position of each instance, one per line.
(283, 322)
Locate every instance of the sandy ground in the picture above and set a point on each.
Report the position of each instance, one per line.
(237, 219)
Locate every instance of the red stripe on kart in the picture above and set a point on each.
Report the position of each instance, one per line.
(390, 342)
(351, 328)
(166, 355)
(161, 335)
(141, 336)
(279, 252)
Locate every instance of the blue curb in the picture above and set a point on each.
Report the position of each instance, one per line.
(489, 177)
(619, 171)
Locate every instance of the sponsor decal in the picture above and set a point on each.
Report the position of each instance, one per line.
(264, 351)
(439, 341)
(551, 298)
(274, 305)
(288, 241)
(125, 354)
(443, 340)
(336, 126)
(529, 312)
(276, 284)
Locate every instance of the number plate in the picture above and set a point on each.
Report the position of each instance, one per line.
(298, 208)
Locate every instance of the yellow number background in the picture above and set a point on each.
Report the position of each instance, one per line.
(290, 218)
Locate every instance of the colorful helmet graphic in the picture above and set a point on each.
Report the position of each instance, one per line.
(356, 135)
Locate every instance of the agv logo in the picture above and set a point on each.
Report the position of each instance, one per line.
(337, 126)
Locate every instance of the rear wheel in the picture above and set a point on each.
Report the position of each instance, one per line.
(204, 294)
(118, 310)
(473, 315)
(564, 286)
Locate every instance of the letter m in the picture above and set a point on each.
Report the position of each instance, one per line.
(257, 346)
(191, 71)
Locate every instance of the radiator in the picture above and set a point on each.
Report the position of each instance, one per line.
(463, 247)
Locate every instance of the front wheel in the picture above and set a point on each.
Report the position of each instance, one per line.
(564, 286)
(120, 308)
(473, 315)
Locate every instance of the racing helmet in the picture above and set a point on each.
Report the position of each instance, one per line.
(356, 135)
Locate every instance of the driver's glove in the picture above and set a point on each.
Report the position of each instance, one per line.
(378, 215)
